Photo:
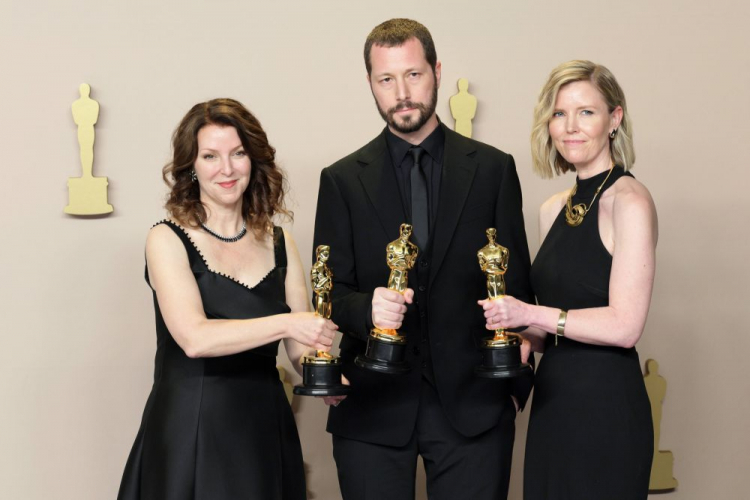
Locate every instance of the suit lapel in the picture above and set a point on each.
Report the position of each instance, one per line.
(379, 182)
(458, 173)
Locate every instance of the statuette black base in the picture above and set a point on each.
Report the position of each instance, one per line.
(321, 378)
(384, 356)
(501, 360)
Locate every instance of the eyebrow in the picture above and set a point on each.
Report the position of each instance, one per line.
(216, 150)
(588, 106)
(412, 69)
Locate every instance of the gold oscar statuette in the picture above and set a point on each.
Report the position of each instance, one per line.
(463, 108)
(87, 195)
(501, 354)
(321, 373)
(662, 478)
(386, 348)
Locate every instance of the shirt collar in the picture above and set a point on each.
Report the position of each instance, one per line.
(433, 145)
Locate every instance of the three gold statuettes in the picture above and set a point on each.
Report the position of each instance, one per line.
(386, 348)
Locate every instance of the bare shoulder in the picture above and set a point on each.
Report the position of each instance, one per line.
(633, 207)
(292, 252)
(628, 194)
(550, 208)
(288, 238)
(162, 240)
(289, 243)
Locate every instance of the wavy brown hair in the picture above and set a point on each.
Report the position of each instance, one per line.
(264, 196)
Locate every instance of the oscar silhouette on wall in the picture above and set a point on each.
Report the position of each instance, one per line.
(463, 108)
(661, 468)
(87, 195)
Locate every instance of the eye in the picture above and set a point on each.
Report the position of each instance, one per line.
(387, 79)
(557, 114)
(241, 153)
(587, 112)
(413, 74)
(208, 156)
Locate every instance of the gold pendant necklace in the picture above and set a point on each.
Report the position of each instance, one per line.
(574, 214)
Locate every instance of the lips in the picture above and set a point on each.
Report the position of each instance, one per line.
(405, 106)
(228, 184)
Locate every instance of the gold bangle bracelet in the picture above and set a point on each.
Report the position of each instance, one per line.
(561, 324)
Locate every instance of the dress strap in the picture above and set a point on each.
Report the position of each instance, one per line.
(279, 246)
(197, 262)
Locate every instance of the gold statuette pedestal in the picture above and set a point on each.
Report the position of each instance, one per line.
(501, 354)
(88, 196)
(386, 348)
(321, 374)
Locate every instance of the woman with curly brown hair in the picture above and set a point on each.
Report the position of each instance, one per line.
(217, 424)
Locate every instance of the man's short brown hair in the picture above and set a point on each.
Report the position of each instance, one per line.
(394, 33)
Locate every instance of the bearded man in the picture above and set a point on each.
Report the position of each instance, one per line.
(450, 189)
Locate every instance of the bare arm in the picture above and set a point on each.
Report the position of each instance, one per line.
(182, 308)
(621, 323)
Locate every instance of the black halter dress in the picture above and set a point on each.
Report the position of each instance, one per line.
(590, 434)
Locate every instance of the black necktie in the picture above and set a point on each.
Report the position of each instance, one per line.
(420, 219)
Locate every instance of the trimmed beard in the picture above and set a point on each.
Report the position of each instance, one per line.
(409, 126)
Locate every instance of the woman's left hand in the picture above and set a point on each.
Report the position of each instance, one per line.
(504, 312)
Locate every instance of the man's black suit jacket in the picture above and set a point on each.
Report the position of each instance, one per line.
(359, 212)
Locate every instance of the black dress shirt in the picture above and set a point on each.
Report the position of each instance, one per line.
(432, 164)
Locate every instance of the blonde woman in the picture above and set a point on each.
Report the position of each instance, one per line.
(590, 432)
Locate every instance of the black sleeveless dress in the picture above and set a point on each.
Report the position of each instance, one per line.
(218, 428)
(590, 434)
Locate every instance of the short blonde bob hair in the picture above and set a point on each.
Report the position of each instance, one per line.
(545, 159)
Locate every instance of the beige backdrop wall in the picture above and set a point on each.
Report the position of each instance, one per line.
(77, 345)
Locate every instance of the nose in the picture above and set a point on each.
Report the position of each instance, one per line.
(226, 166)
(571, 123)
(402, 90)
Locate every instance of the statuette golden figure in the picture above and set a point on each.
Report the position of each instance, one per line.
(385, 346)
(493, 261)
(501, 354)
(321, 279)
(321, 373)
(401, 256)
